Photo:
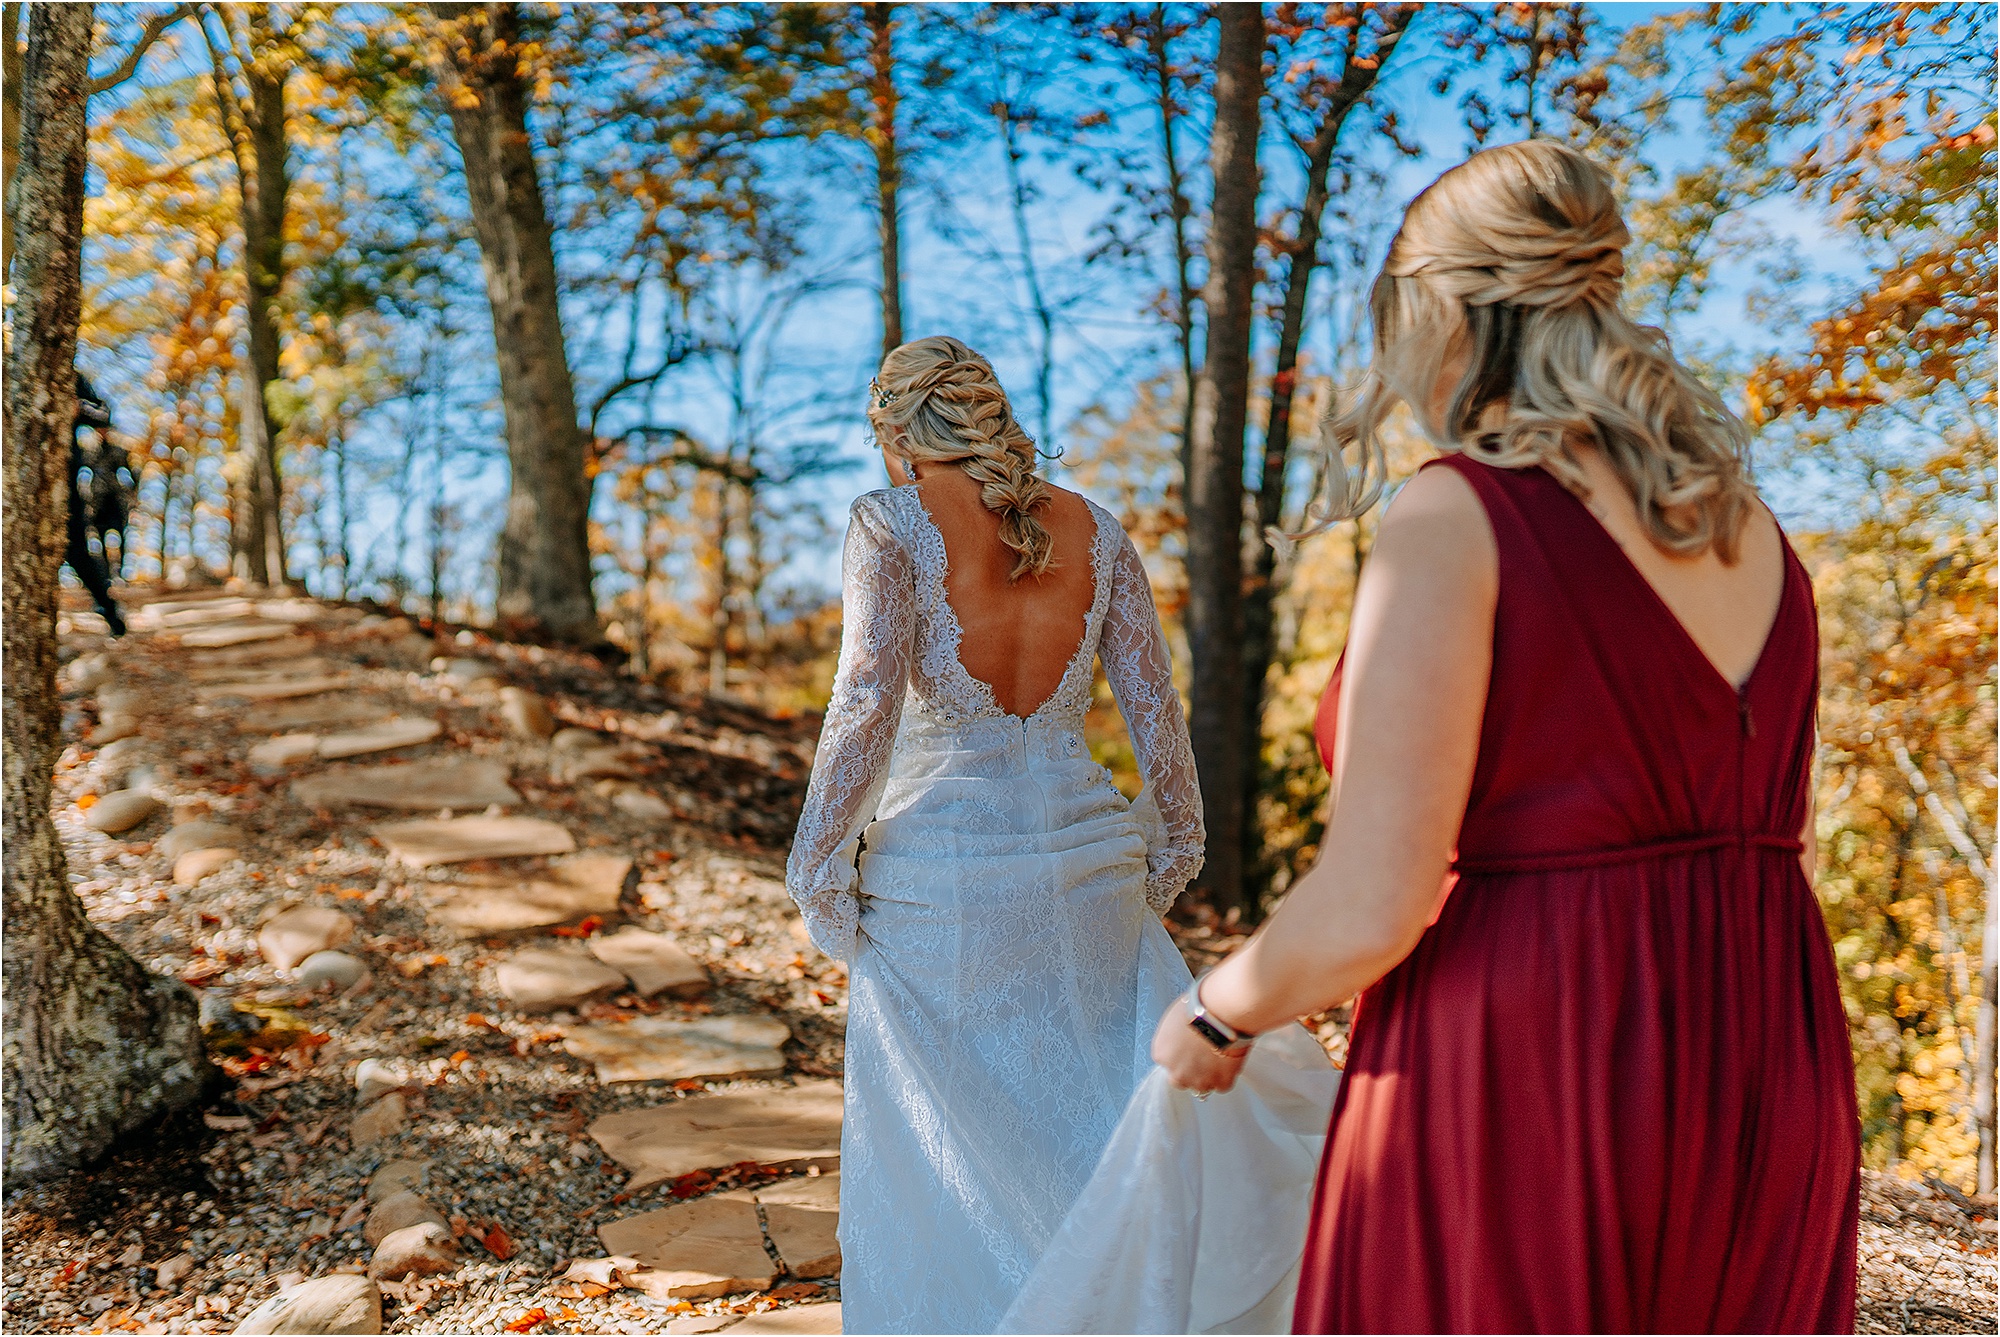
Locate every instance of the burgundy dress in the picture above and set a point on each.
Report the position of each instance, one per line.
(1610, 1090)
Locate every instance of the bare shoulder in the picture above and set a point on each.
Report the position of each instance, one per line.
(1437, 522)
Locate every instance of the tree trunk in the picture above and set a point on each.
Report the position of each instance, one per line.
(94, 1046)
(544, 577)
(1260, 589)
(264, 199)
(1215, 474)
(1178, 209)
(1983, 1034)
(10, 124)
(888, 166)
(255, 127)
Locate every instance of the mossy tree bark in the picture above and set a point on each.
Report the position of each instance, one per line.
(93, 1045)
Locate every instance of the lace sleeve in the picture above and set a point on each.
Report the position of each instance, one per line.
(878, 620)
(1141, 672)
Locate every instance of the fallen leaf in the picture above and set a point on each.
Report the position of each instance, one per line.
(479, 1020)
(69, 1269)
(529, 1321)
(459, 1056)
(496, 1242)
(86, 802)
(583, 928)
(225, 1123)
(566, 1314)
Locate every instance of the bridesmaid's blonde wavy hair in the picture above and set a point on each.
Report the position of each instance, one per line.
(1516, 257)
(937, 400)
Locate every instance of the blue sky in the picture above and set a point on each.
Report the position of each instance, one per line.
(962, 276)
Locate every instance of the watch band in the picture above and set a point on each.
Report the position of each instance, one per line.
(1219, 1034)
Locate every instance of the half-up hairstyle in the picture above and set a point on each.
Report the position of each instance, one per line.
(935, 399)
(1516, 256)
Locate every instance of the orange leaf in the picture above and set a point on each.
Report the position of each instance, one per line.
(529, 1321)
(86, 802)
(588, 925)
(496, 1242)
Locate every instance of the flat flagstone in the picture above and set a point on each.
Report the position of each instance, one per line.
(437, 782)
(802, 1217)
(172, 616)
(256, 652)
(441, 840)
(272, 689)
(815, 1318)
(200, 834)
(496, 904)
(653, 962)
(545, 979)
(665, 1049)
(281, 671)
(284, 751)
(791, 1127)
(389, 734)
(321, 710)
(291, 610)
(709, 1247)
(228, 634)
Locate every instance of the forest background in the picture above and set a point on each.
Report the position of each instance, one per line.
(697, 228)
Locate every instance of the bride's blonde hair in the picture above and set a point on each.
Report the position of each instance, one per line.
(1516, 257)
(935, 399)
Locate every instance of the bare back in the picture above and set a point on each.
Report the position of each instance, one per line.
(1726, 610)
(1019, 635)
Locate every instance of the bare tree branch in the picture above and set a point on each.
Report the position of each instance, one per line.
(1953, 827)
(155, 28)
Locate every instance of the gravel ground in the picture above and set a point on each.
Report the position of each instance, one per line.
(189, 1227)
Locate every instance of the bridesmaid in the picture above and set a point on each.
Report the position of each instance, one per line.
(1599, 1079)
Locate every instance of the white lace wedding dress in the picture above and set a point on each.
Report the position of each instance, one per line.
(997, 901)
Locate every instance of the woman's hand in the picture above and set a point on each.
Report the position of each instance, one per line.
(1190, 1061)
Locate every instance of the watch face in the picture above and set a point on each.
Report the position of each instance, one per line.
(1208, 1031)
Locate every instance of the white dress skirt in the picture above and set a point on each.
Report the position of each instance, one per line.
(998, 903)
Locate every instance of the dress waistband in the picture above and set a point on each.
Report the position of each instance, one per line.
(1547, 863)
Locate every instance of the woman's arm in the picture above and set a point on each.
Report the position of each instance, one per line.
(1140, 669)
(1419, 648)
(878, 627)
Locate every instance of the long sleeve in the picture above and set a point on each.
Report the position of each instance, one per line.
(1140, 670)
(878, 626)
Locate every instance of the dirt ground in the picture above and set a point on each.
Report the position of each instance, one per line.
(191, 1226)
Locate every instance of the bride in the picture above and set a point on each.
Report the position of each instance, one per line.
(998, 903)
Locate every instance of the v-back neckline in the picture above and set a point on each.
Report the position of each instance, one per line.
(1678, 628)
(990, 699)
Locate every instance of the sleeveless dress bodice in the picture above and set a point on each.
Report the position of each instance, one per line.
(1610, 1089)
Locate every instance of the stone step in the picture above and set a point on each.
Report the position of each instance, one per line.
(495, 904)
(666, 1049)
(427, 785)
(443, 840)
(792, 1127)
(816, 1318)
(227, 634)
(696, 1250)
(273, 689)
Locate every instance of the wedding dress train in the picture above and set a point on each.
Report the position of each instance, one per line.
(997, 901)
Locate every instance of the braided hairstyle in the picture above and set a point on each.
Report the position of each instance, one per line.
(936, 399)
(1515, 257)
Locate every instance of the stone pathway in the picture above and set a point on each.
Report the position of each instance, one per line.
(556, 902)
